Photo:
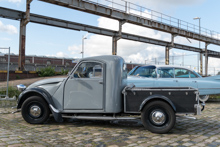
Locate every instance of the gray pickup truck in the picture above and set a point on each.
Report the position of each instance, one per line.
(97, 89)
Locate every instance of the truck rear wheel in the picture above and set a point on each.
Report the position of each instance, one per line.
(158, 117)
(35, 110)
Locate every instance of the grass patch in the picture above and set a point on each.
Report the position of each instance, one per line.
(214, 96)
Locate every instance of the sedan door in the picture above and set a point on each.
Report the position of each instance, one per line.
(186, 78)
(166, 78)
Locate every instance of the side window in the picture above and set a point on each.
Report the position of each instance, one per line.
(181, 73)
(165, 72)
(192, 75)
(145, 71)
(89, 70)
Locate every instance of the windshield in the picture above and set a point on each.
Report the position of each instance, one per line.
(144, 71)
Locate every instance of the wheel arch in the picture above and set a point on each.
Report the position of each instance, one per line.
(34, 92)
(154, 98)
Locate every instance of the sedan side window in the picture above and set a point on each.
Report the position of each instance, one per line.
(182, 73)
(192, 75)
(165, 72)
(89, 70)
(144, 71)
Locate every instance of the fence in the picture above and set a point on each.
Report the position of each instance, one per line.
(5, 96)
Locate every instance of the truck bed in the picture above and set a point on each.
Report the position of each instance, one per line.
(182, 98)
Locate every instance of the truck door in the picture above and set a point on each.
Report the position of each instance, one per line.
(84, 88)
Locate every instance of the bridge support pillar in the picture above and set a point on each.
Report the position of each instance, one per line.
(114, 45)
(206, 59)
(201, 64)
(116, 38)
(22, 38)
(167, 55)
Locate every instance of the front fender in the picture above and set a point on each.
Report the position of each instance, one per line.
(157, 97)
(32, 92)
(45, 95)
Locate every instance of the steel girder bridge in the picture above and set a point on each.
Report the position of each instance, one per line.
(122, 17)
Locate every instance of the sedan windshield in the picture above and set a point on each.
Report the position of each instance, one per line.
(144, 71)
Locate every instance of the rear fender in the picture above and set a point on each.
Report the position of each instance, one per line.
(157, 97)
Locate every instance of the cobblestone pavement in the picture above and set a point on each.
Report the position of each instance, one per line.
(202, 131)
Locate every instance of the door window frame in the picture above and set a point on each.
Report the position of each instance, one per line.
(75, 69)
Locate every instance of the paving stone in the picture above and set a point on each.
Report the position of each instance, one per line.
(203, 131)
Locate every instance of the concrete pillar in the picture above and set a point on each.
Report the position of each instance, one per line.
(206, 59)
(167, 56)
(114, 45)
(201, 64)
(22, 38)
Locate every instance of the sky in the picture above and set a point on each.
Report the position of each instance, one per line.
(51, 41)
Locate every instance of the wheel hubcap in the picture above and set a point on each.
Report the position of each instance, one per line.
(158, 117)
(35, 111)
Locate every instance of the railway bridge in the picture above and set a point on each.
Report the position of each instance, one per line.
(124, 13)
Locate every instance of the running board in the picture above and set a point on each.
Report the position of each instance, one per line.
(101, 117)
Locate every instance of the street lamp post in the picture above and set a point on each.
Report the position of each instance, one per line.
(199, 18)
(83, 38)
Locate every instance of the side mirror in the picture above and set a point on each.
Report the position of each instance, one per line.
(21, 87)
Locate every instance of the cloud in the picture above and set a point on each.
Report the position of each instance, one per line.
(5, 39)
(130, 50)
(133, 51)
(8, 28)
(213, 66)
(59, 54)
(169, 2)
(14, 1)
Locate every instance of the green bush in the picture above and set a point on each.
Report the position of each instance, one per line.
(12, 91)
(48, 71)
(64, 72)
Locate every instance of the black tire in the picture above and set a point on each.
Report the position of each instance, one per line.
(35, 110)
(164, 123)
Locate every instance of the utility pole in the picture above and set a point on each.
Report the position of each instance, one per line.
(83, 38)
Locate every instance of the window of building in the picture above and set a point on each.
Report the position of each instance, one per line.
(2, 59)
(27, 61)
(48, 62)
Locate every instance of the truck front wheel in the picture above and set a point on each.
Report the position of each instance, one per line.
(158, 117)
(35, 110)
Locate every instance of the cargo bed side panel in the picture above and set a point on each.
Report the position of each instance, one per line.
(184, 101)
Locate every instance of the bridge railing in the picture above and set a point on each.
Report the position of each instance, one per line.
(140, 11)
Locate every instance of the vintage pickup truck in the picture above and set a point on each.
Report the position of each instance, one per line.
(96, 89)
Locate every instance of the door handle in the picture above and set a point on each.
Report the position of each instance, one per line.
(100, 82)
(194, 81)
(175, 80)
